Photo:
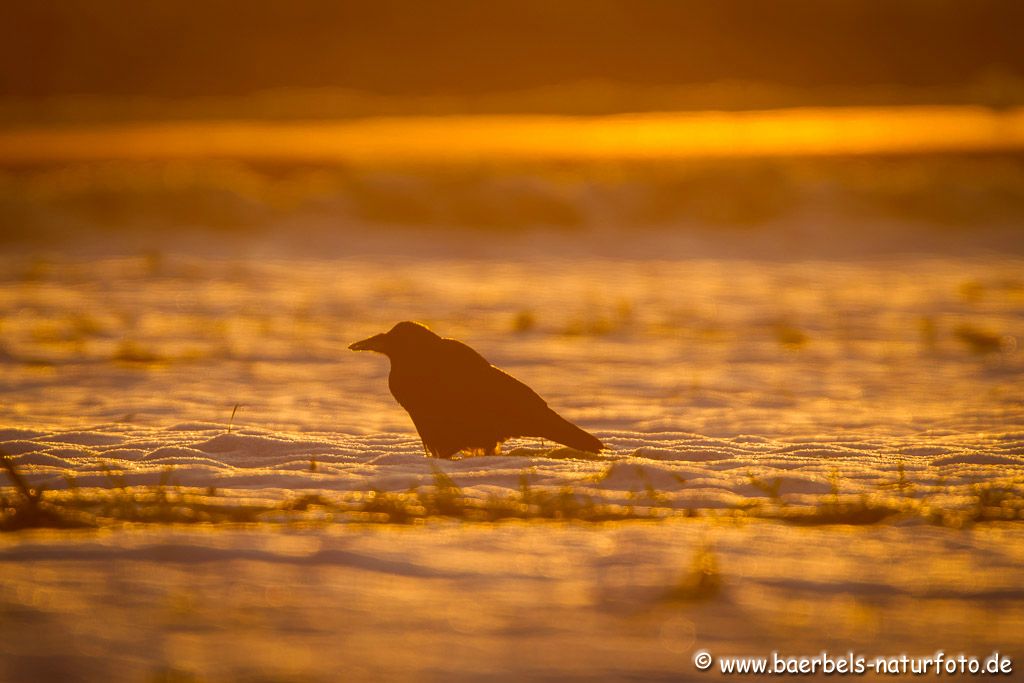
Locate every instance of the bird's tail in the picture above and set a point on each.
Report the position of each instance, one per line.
(566, 433)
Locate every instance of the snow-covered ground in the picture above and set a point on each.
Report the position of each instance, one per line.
(449, 601)
(747, 403)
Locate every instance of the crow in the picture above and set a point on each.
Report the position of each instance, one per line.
(460, 402)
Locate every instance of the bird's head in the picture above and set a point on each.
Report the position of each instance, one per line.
(403, 337)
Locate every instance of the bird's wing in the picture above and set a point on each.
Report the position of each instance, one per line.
(503, 404)
(475, 380)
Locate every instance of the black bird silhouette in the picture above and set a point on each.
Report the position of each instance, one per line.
(460, 402)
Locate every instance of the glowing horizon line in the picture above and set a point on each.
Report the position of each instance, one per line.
(812, 131)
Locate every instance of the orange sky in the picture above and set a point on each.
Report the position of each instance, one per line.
(463, 138)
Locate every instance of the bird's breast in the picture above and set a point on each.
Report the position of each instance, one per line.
(412, 386)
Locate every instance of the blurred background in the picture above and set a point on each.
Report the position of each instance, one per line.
(806, 120)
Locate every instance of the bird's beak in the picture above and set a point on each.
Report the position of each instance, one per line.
(370, 344)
